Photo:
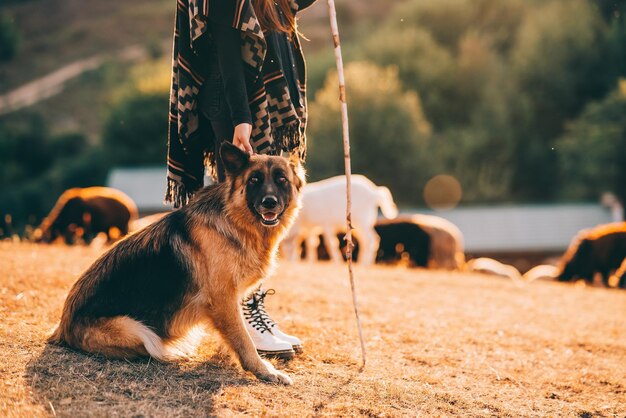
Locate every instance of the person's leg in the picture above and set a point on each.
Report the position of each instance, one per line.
(256, 317)
(261, 327)
(212, 104)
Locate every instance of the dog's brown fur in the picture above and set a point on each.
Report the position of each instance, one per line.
(149, 292)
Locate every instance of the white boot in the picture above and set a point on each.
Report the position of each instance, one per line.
(259, 296)
(267, 344)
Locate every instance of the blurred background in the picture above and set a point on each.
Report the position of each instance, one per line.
(496, 114)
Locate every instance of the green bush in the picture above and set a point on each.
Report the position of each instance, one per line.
(136, 130)
(592, 150)
(9, 38)
(388, 131)
(36, 167)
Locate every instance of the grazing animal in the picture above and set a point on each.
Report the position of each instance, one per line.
(541, 272)
(429, 241)
(324, 212)
(597, 250)
(446, 241)
(399, 237)
(396, 240)
(619, 278)
(150, 292)
(493, 267)
(91, 210)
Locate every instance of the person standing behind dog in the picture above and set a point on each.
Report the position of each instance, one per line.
(238, 75)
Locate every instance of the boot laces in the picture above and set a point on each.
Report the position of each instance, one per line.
(254, 311)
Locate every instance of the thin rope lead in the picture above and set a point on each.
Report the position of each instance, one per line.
(346, 154)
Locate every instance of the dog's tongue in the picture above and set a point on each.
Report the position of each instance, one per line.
(269, 216)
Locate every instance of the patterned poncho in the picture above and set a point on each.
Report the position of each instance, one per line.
(278, 123)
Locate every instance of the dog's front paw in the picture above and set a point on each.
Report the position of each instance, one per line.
(283, 378)
(273, 376)
(277, 377)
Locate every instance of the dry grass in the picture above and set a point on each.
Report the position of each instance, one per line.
(440, 344)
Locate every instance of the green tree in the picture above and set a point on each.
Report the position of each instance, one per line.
(136, 130)
(9, 37)
(559, 64)
(617, 42)
(388, 131)
(24, 151)
(445, 20)
(423, 65)
(318, 66)
(447, 51)
(592, 150)
(36, 167)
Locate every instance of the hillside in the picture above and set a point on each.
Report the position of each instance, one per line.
(56, 32)
(62, 32)
(439, 344)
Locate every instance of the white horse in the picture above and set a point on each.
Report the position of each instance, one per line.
(324, 213)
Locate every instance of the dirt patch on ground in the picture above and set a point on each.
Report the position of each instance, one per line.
(439, 344)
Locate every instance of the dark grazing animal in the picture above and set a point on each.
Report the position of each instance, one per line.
(598, 250)
(396, 238)
(151, 291)
(323, 212)
(620, 275)
(447, 249)
(88, 212)
(431, 241)
(401, 237)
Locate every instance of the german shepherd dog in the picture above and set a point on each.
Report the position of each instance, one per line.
(147, 294)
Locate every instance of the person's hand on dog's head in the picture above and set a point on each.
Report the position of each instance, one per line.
(241, 137)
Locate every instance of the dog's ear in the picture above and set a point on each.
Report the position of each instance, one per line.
(235, 160)
(298, 170)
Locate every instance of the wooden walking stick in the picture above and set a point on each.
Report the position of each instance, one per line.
(346, 154)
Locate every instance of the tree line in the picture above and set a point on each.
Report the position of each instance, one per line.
(515, 93)
(519, 100)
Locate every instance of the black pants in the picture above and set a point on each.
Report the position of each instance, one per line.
(212, 104)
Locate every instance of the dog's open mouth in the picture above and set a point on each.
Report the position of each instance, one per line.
(269, 218)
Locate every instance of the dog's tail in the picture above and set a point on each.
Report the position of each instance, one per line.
(386, 203)
(57, 336)
(117, 337)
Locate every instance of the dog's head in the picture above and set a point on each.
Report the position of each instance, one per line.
(269, 185)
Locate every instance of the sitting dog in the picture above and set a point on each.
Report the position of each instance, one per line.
(148, 293)
(398, 238)
(324, 212)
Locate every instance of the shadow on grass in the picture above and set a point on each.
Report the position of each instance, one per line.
(68, 383)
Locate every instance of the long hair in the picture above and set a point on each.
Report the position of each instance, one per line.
(269, 18)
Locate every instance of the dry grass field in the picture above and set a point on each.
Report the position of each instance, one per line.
(439, 344)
